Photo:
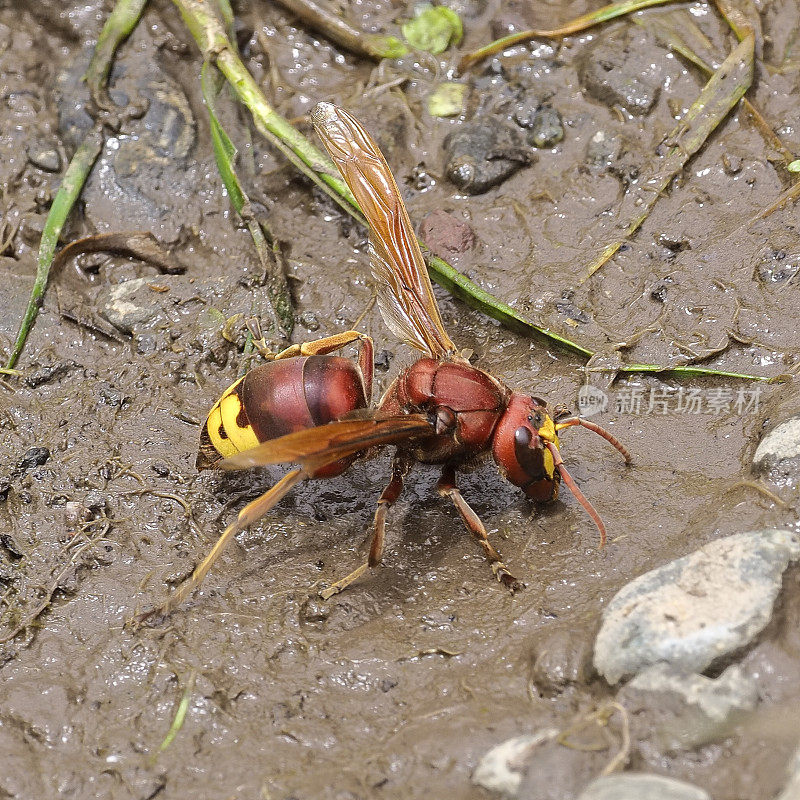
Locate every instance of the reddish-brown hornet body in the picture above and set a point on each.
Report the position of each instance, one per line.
(310, 407)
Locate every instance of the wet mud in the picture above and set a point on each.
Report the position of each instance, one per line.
(397, 687)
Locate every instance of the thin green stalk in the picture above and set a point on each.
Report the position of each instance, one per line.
(278, 295)
(180, 713)
(341, 32)
(71, 186)
(209, 34)
(461, 287)
(119, 25)
(674, 33)
(576, 26)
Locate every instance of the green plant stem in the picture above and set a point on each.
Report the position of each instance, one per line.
(209, 34)
(180, 714)
(71, 186)
(119, 25)
(339, 31)
(576, 26)
(274, 279)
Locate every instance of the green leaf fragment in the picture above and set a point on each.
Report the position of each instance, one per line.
(794, 166)
(433, 29)
(447, 100)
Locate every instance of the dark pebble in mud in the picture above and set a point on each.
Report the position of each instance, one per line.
(444, 234)
(383, 360)
(620, 71)
(482, 154)
(47, 373)
(308, 319)
(778, 267)
(547, 129)
(35, 457)
(543, 122)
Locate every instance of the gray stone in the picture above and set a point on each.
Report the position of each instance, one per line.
(128, 304)
(482, 153)
(561, 659)
(715, 697)
(504, 766)
(780, 444)
(620, 71)
(792, 789)
(44, 155)
(695, 609)
(672, 710)
(547, 129)
(640, 786)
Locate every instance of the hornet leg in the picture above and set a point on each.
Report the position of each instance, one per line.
(249, 515)
(323, 347)
(387, 499)
(447, 488)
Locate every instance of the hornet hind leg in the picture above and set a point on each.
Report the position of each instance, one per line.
(249, 515)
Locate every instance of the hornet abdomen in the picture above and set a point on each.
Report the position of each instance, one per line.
(281, 397)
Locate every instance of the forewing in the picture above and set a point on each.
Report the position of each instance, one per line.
(405, 295)
(312, 448)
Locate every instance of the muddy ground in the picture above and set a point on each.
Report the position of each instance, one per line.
(398, 686)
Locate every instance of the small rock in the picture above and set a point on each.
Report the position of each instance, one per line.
(35, 457)
(603, 149)
(560, 660)
(444, 234)
(780, 444)
(44, 155)
(547, 129)
(732, 165)
(128, 304)
(695, 609)
(673, 710)
(792, 789)
(503, 767)
(308, 319)
(620, 71)
(640, 786)
(777, 266)
(481, 154)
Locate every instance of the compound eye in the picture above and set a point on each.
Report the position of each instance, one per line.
(537, 401)
(522, 437)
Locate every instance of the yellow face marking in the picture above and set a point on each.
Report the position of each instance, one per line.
(547, 431)
(549, 464)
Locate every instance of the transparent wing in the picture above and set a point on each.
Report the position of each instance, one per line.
(405, 295)
(316, 447)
